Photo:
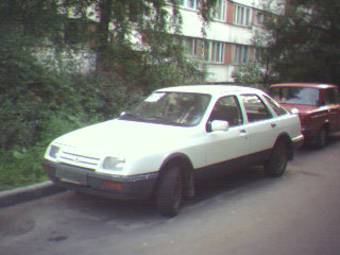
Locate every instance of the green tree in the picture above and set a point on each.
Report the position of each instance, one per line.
(304, 41)
(117, 21)
(40, 100)
(250, 73)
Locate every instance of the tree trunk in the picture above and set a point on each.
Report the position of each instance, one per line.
(105, 12)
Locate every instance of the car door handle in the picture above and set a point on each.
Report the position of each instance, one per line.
(273, 125)
(243, 132)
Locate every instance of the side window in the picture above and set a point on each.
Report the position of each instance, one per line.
(227, 108)
(331, 96)
(256, 110)
(278, 109)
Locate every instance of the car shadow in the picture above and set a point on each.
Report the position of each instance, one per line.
(109, 210)
(232, 181)
(229, 180)
(307, 149)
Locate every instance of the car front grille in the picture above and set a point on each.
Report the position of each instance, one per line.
(79, 160)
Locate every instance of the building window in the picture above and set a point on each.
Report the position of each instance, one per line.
(188, 45)
(193, 47)
(214, 52)
(209, 51)
(217, 52)
(242, 15)
(241, 54)
(219, 11)
(259, 55)
(259, 18)
(191, 4)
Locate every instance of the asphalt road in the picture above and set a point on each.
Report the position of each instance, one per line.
(242, 213)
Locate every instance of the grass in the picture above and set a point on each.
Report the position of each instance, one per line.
(21, 167)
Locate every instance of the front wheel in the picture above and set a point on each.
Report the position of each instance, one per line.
(277, 163)
(170, 192)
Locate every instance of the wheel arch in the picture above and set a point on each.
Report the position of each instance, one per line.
(178, 159)
(286, 138)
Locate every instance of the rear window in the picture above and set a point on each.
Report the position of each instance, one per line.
(293, 95)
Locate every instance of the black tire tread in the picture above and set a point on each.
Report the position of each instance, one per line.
(166, 203)
(280, 147)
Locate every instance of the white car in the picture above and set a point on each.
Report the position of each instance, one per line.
(158, 147)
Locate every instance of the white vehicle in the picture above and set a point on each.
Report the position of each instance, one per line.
(158, 147)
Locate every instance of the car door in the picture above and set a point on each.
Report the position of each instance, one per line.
(333, 104)
(223, 146)
(261, 127)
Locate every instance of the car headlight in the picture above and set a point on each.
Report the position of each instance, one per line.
(53, 151)
(113, 163)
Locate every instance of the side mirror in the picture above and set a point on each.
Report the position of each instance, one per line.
(219, 125)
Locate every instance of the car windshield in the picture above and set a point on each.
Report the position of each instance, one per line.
(293, 95)
(170, 108)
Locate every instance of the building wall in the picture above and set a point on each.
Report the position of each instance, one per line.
(234, 31)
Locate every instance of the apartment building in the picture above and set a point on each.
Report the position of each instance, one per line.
(228, 40)
(226, 43)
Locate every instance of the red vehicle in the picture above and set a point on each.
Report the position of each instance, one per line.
(318, 106)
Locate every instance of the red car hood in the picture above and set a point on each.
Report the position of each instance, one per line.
(303, 109)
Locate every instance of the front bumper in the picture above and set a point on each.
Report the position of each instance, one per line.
(298, 141)
(113, 186)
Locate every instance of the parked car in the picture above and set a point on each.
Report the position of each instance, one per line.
(157, 148)
(317, 105)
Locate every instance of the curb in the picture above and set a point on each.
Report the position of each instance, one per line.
(35, 191)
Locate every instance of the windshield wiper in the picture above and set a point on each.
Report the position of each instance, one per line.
(160, 120)
(130, 116)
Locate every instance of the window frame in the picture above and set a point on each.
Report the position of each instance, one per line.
(185, 4)
(260, 18)
(241, 54)
(219, 11)
(275, 105)
(238, 106)
(196, 49)
(212, 52)
(217, 52)
(243, 15)
(268, 110)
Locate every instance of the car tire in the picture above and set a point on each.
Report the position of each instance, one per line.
(277, 162)
(170, 192)
(321, 138)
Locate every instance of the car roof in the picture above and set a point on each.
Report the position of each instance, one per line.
(304, 85)
(215, 90)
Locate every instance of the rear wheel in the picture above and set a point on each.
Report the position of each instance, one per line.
(277, 163)
(170, 192)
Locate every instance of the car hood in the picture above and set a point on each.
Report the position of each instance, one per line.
(303, 109)
(122, 138)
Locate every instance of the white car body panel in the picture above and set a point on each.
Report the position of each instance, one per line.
(222, 146)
